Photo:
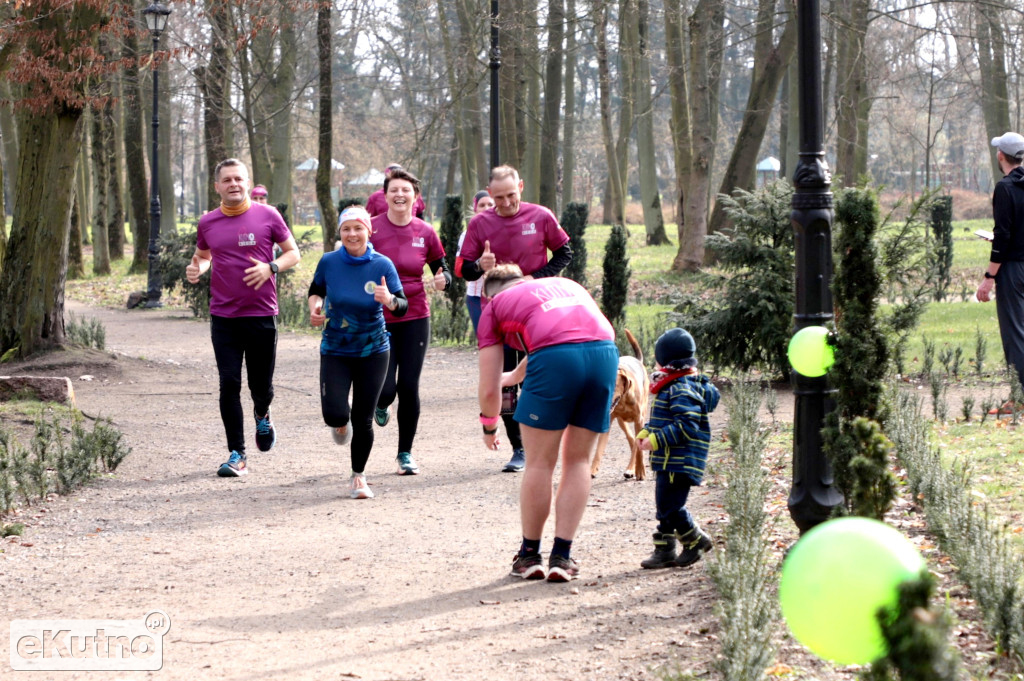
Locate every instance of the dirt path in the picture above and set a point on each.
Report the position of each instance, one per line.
(280, 576)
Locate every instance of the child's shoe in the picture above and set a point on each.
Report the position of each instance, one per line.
(695, 543)
(664, 555)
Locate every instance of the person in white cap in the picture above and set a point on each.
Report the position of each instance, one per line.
(1006, 262)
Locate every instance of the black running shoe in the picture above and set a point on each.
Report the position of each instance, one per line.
(528, 567)
(266, 436)
(562, 569)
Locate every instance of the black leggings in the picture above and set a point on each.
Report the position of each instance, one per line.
(512, 359)
(254, 341)
(363, 376)
(409, 342)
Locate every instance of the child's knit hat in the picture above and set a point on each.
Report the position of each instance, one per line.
(676, 348)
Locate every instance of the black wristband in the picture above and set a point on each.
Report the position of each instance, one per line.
(490, 432)
(989, 276)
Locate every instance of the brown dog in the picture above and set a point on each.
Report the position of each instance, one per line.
(629, 406)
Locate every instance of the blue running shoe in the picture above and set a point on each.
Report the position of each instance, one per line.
(234, 467)
(381, 416)
(266, 436)
(517, 463)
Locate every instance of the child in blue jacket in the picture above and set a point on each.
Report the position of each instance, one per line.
(678, 435)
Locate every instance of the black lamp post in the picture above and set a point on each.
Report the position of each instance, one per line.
(495, 103)
(813, 495)
(156, 22)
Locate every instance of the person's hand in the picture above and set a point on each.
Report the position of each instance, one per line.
(439, 280)
(643, 441)
(516, 376)
(192, 270)
(491, 441)
(258, 274)
(487, 261)
(382, 295)
(984, 293)
(316, 313)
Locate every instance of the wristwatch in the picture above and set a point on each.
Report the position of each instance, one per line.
(273, 267)
(989, 276)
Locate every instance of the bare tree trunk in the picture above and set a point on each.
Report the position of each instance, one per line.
(530, 113)
(991, 45)
(470, 87)
(101, 176)
(9, 139)
(76, 266)
(85, 187)
(35, 265)
(548, 177)
(770, 64)
(213, 84)
(628, 51)
(281, 104)
(328, 213)
(168, 201)
(851, 91)
(115, 195)
(509, 81)
(135, 154)
(675, 39)
(706, 39)
(464, 154)
(647, 161)
(615, 202)
(569, 130)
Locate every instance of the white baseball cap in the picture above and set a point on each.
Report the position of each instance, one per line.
(1011, 144)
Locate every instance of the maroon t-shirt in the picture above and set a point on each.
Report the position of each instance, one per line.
(523, 239)
(410, 247)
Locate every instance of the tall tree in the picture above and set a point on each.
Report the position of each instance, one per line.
(569, 125)
(49, 54)
(682, 151)
(769, 66)
(990, 42)
(328, 213)
(615, 203)
(135, 151)
(101, 162)
(213, 79)
(706, 30)
(548, 177)
(646, 157)
(852, 96)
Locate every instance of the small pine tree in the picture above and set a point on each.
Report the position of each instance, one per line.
(745, 319)
(574, 222)
(860, 349)
(874, 485)
(615, 284)
(941, 225)
(451, 230)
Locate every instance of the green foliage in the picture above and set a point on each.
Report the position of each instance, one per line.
(55, 463)
(615, 284)
(449, 319)
(980, 350)
(941, 256)
(574, 222)
(12, 530)
(904, 266)
(86, 333)
(874, 485)
(917, 638)
(744, 320)
(978, 544)
(176, 250)
(850, 438)
(742, 573)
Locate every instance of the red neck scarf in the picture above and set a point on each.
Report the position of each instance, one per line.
(662, 378)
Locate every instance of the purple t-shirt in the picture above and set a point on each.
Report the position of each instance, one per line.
(542, 312)
(523, 239)
(409, 248)
(231, 240)
(377, 204)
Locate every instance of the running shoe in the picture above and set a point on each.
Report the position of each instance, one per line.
(381, 416)
(234, 467)
(342, 435)
(561, 569)
(528, 567)
(360, 490)
(406, 464)
(517, 463)
(266, 436)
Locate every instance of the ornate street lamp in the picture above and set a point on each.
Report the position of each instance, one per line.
(813, 494)
(156, 21)
(495, 103)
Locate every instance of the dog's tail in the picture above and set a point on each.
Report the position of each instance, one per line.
(636, 346)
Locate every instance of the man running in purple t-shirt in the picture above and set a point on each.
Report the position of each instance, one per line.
(517, 233)
(237, 240)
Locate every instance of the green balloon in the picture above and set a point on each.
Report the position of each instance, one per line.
(835, 579)
(809, 352)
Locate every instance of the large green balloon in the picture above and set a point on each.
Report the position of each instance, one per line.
(836, 578)
(809, 351)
